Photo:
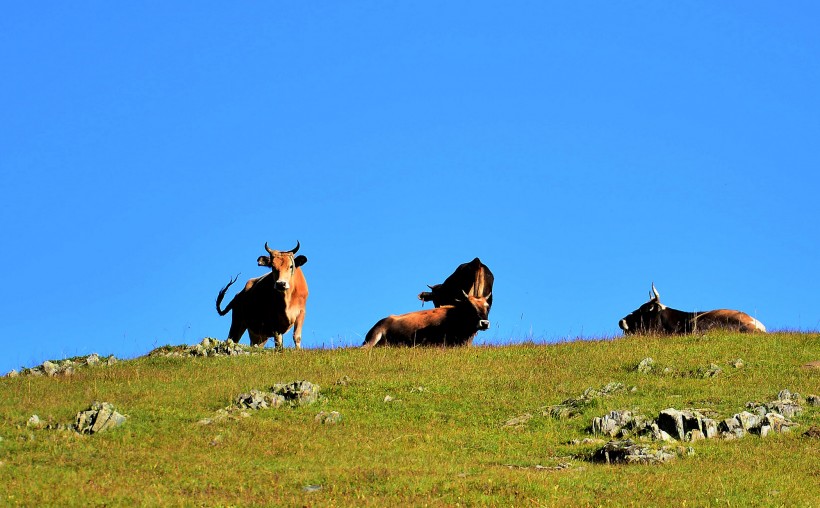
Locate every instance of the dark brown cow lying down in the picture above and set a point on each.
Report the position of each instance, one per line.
(654, 317)
(454, 325)
(473, 278)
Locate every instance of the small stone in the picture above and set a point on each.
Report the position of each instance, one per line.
(50, 368)
(712, 371)
(737, 363)
(34, 422)
(388, 398)
(646, 365)
(765, 430)
(331, 417)
(813, 400)
(813, 432)
(92, 359)
(518, 421)
(343, 381)
(13, 373)
(695, 435)
(312, 488)
(784, 395)
(111, 360)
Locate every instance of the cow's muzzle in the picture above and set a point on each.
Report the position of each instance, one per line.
(282, 285)
(484, 324)
(623, 326)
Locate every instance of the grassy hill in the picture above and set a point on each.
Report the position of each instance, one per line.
(441, 440)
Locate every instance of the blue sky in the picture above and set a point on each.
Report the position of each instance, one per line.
(582, 150)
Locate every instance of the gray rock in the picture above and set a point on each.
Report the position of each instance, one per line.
(711, 371)
(34, 422)
(518, 421)
(729, 425)
(256, 400)
(813, 400)
(778, 423)
(571, 408)
(748, 421)
(99, 417)
(645, 366)
(695, 435)
(13, 373)
(50, 368)
(343, 381)
(298, 392)
(678, 423)
(92, 359)
(628, 452)
(328, 418)
(737, 363)
(612, 424)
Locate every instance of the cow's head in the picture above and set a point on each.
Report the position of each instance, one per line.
(646, 318)
(284, 263)
(479, 305)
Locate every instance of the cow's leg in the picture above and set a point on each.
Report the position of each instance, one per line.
(257, 339)
(277, 339)
(236, 331)
(297, 329)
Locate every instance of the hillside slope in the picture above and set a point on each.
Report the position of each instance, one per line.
(418, 426)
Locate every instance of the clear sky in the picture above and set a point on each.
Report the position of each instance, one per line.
(582, 150)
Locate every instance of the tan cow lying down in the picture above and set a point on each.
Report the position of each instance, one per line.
(454, 325)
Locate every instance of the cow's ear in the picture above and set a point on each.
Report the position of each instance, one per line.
(299, 260)
(263, 261)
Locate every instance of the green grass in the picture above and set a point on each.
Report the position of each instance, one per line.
(443, 445)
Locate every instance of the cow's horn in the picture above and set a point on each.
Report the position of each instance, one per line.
(293, 251)
(270, 251)
(655, 291)
(465, 294)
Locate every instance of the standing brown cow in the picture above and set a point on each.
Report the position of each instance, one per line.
(655, 317)
(269, 305)
(454, 325)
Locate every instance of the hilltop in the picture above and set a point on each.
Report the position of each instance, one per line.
(415, 426)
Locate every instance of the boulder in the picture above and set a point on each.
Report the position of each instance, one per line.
(678, 423)
(297, 393)
(613, 424)
(99, 417)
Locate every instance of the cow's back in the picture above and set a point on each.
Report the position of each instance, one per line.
(727, 319)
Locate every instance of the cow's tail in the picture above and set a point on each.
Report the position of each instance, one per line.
(374, 335)
(222, 295)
